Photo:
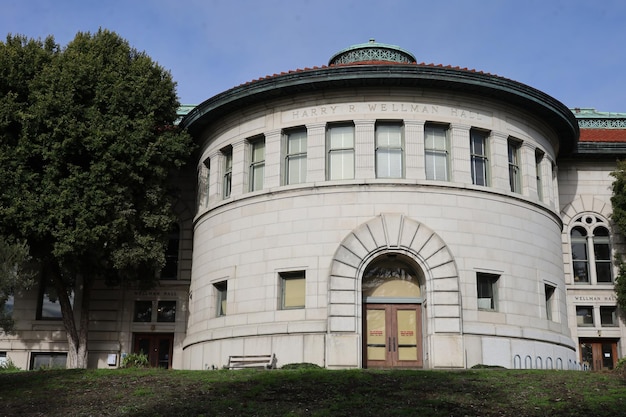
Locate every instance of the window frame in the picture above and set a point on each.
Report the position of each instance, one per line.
(170, 270)
(342, 153)
(515, 174)
(221, 297)
(434, 154)
(539, 156)
(292, 276)
(291, 157)
(389, 150)
(582, 322)
(487, 282)
(256, 178)
(41, 303)
(550, 297)
(483, 157)
(53, 362)
(227, 176)
(591, 249)
(613, 314)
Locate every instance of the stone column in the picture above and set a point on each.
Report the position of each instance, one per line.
(499, 161)
(528, 168)
(414, 150)
(273, 160)
(240, 169)
(364, 149)
(460, 166)
(316, 152)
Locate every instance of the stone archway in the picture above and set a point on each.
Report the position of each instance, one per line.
(397, 233)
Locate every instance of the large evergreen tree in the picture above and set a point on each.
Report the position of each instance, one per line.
(88, 147)
(618, 201)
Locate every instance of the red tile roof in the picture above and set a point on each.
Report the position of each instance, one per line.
(603, 135)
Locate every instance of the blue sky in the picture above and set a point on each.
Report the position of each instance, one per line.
(573, 50)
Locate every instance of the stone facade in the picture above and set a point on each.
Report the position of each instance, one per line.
(314, 192)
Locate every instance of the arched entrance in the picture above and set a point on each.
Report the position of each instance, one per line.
(392, 316)
(428, 256)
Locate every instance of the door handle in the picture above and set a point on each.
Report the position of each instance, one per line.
(389, 344)
(394, 344)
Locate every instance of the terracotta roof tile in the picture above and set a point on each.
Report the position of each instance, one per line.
(603, 135)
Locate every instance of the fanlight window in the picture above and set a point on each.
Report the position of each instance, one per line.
(591, 251)
(391, 278)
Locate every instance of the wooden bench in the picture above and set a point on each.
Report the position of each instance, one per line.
(251, 362)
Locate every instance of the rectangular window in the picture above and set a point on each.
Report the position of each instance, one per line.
(295, 156)
(166, 311)
(487, 291)
(170, 269)
(538, 160)
(584, 316)
(48, 360)
(436, 152)
(479, 161)
(340, 152)
(550, 304)
(227, 184)
(49, 307)
(579, 255)
(602, 255)
(221, 289)
(608, 316)
(143, 311)
(257, 164)
(293, 290)
(514, 166)
(389, 150)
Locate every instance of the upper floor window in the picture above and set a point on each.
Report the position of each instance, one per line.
(221, 290)
(292, 290)
(550, 300)
(170, 269)
(49, 306)
(538, 160)
(340, 152)
(591, 251)
(584, 316)
(203, 183)
(487, 291)
(257, 164)
(389, 150)
(295, 156)
(227, 180)
(436, 152)
(479, 160)
(514, 166)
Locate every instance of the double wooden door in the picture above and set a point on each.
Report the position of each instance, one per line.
(598, 354)
(392, 336)
(158, 347)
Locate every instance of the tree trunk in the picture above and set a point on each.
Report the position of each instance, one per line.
(77, 331)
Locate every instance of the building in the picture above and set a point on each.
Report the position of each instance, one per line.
(375, 212)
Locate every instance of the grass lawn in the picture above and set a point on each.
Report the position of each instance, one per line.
(311, 392)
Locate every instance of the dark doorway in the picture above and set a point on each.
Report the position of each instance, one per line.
(158, 347)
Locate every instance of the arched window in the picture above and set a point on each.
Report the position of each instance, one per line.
(591, 251)
(170, 269)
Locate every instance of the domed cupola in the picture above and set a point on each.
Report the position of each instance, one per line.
(372, 51)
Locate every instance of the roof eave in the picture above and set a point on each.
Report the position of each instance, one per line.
(410, 75)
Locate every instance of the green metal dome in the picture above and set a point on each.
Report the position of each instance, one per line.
(372, 51)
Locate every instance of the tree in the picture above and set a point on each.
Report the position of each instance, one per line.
(87, 156)
(618, 201)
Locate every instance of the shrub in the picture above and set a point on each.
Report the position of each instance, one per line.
(302, 365)
(135, 360)
(9, 366)
(620, 368)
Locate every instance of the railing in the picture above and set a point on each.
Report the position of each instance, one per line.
(546, 363)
